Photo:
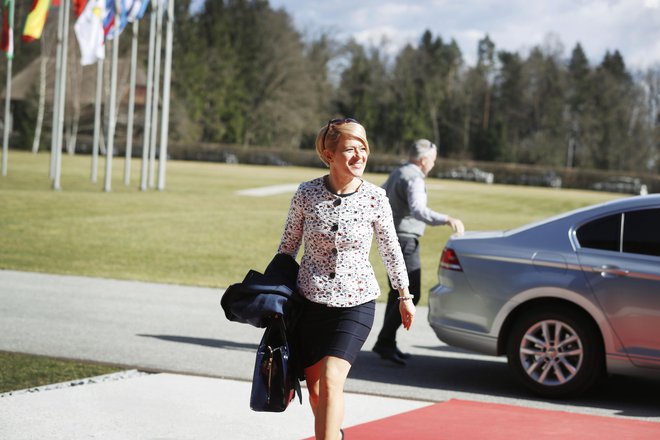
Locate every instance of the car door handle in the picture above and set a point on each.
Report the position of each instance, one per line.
(611, 271)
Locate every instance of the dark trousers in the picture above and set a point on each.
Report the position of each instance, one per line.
(392, 321)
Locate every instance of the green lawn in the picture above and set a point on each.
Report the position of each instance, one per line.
(21, 371)
(199, 231)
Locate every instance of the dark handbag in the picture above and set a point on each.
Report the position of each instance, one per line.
(274, 383)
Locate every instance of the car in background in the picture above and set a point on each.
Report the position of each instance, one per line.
(264, 158)
(549, 179)
(622, 184)
(472, 174)
(566, 299)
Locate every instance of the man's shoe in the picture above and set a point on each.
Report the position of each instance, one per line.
(401, 354)
(389, 353)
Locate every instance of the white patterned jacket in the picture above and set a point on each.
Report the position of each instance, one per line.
(337, 232)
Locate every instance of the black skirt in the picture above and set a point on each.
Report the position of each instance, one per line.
(332, 331)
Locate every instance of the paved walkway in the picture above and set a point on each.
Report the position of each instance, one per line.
(163, 328)
(204, 365)
(168, 406)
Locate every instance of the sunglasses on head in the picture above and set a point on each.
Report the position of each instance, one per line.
(339, 121)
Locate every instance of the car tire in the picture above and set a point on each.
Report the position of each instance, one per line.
(555, 352)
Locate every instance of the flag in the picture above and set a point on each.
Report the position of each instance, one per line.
(36, 19)
(108, 15)
(89, 32)
(79, 7)
(111, 8)
(138, 10)
(7, 40)
(122, 6)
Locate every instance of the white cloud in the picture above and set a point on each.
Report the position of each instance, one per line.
(631, 26)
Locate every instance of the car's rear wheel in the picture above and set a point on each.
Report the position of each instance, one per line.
(555, 351)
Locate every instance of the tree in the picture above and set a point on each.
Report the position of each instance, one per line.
(580, 94)
(650, 113)
(425, 83)
(613, 98)
(364, 92)
(486, 140)
(407, 84)
(509, 105)
(248, 80)
(319, 52)
(486, 66)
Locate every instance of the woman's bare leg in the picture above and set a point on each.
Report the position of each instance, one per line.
(325, 383)
(312, 376)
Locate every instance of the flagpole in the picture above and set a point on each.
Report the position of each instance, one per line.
(148, 101)
(56, 92)
(131, 105)
(113, 102)
(156, 92)
(97, 118)
(60, 128)
(5, 136)
(42, 98)
(167, 76)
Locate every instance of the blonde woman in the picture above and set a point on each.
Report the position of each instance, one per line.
(337, 216)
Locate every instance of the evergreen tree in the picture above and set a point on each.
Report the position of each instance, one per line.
(612, 107)
(508, 103)
(363, 91)
(580, 95)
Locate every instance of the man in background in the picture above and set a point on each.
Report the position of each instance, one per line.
(406, 191)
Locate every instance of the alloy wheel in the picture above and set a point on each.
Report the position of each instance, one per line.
(551, 352)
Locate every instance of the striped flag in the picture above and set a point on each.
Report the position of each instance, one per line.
(36, 19)
(138, 10)
(7, 41)
(111, 8)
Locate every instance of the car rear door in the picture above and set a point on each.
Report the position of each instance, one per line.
(620, 256)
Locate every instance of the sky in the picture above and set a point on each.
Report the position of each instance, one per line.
(630, 26)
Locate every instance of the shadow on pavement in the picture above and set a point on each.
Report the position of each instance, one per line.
(447, 371)
(205, 342)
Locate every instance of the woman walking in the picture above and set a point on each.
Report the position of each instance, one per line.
(336, 216)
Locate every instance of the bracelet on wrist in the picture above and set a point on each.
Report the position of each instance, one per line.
(405, 298)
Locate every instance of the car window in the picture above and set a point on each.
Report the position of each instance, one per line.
(641, 232)
(603, 233)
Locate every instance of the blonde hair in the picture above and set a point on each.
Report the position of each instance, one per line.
(328, 137)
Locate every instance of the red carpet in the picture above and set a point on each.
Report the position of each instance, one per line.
(464, 420)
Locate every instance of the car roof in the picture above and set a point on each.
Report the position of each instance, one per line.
(622, 204)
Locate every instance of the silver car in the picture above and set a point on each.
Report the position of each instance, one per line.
(566, 299)
(622, 184)
(472, 174)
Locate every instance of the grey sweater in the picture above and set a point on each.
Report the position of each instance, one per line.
(406, 191)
